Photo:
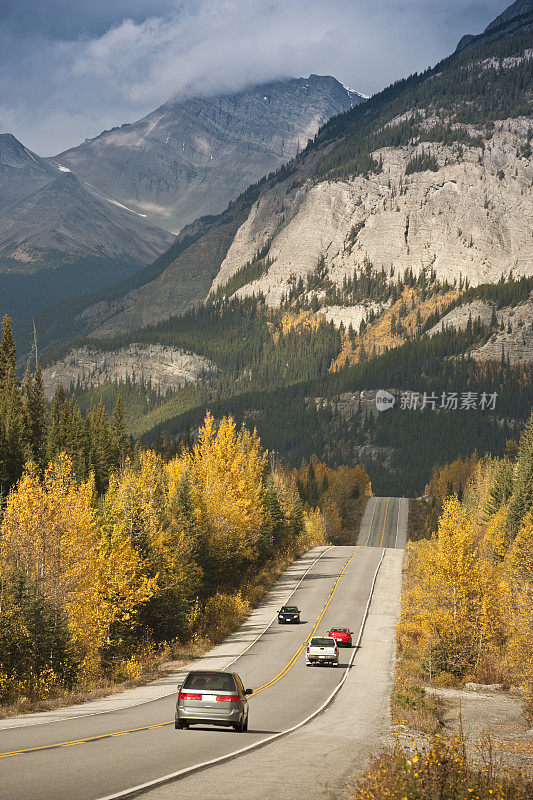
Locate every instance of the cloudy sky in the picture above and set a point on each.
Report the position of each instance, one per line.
(72, 68)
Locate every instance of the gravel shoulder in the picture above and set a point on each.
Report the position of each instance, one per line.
(483, 713)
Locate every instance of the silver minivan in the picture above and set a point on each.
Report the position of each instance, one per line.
(212, 698)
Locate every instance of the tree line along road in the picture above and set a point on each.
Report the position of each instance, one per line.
(89, 757)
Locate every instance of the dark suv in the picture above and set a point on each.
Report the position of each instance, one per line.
(289, 614)
(212, 698)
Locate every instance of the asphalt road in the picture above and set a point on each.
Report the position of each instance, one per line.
(93, 757)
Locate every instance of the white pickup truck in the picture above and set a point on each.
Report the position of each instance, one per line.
(322, 650)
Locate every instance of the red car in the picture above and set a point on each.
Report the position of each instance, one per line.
(343, 636)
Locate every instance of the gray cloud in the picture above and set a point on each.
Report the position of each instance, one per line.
(70, 70)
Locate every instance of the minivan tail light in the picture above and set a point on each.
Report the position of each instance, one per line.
(228, 698)
(189, 696)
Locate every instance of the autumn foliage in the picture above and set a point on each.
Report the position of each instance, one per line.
(91, 583)
(438, 770)
(402, 320)
(467, 607)
(336, 495)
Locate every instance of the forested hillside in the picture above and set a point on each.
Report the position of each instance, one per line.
(474, 88)
(393, 253)
(309, 387)
(113, 556)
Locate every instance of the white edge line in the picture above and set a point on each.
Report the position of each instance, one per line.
(143, 787)
(173, 691)
(397, 522)
(371, 521)
(274, 618)
(365, 615)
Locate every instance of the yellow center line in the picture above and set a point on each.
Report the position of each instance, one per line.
(317, 623)
(171, 722)
(84, 741)
(384, 521)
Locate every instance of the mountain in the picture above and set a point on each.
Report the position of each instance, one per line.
(48, 216)
(516, 19)
(20, 170)
(60, 238)
(395, 252)
(433, 173)
(189, 158)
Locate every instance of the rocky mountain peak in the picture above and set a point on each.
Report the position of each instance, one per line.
(426, 177)
(517, 18)
(192, 156)
(14, 154)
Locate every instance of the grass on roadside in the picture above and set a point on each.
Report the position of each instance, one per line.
(439, 770)
(414, 706)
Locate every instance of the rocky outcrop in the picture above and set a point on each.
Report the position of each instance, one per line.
(473, 217)
(350, 315)
(514, 337)
(515, 340)
(458, 317)
(160, 367)
(192, 157)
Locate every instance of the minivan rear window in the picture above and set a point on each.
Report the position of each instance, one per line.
(210, 681)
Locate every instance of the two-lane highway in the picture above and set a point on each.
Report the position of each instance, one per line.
(98, 756)
(384, 523)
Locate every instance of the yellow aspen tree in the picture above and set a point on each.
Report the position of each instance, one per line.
(494, 535)
(136, 510)
(453, 618)
(414, 632)
(176, 469)
(477, 496)
(50, 533)
(314, 528)
(227, 473)
(49, 527)
(520, 571)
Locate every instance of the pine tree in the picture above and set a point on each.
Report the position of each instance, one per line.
(13, 434)
(121, 441)
(54, 439)
(101, 449)
(522, 498)
(502, 487)
(77, 445)
(8, 348)
(312, 488)
(34, 409)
